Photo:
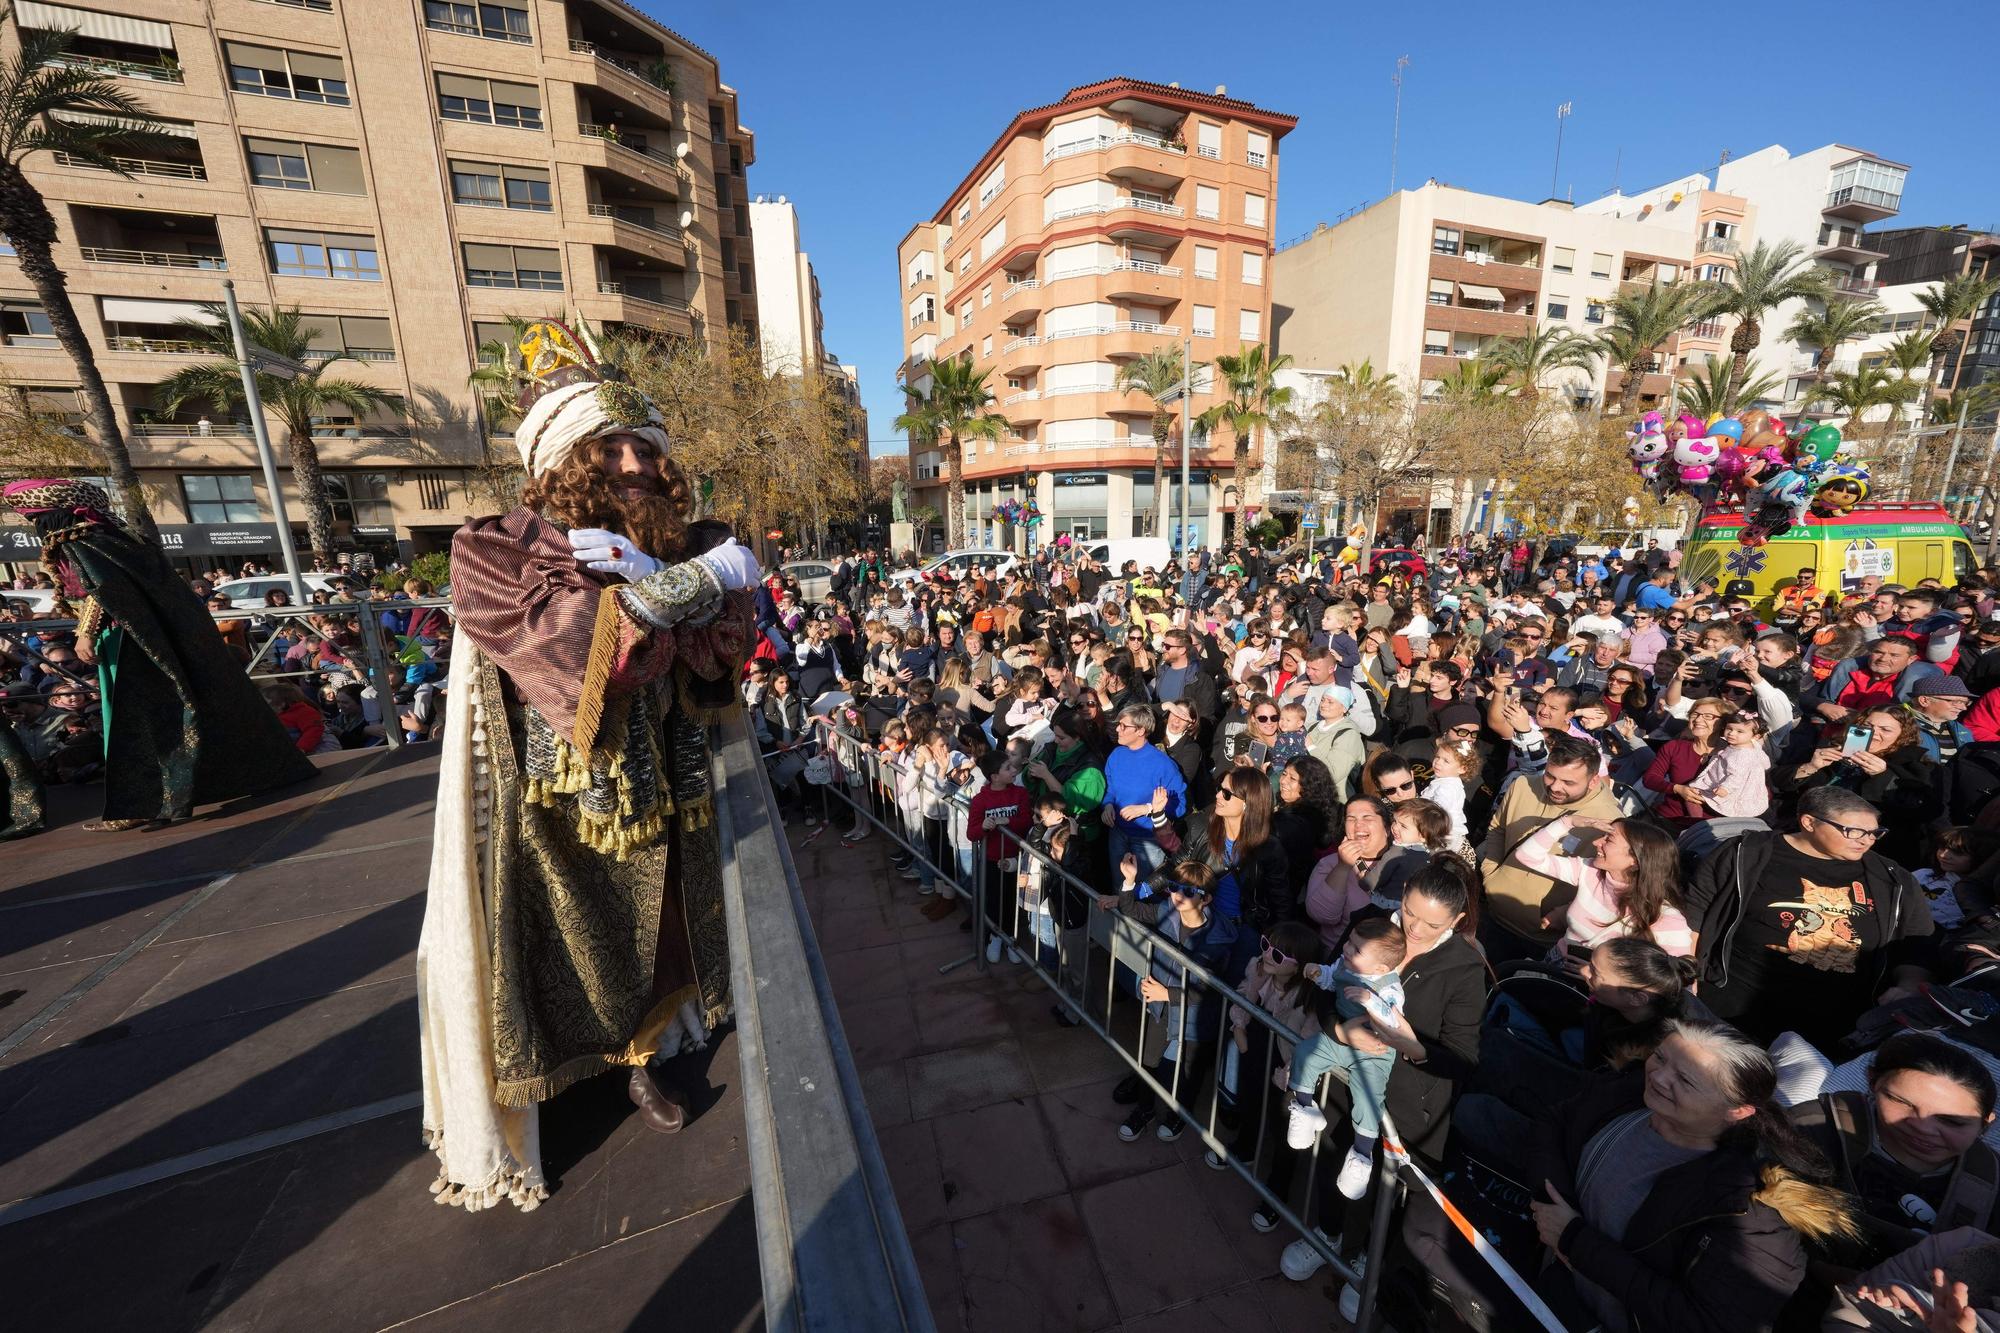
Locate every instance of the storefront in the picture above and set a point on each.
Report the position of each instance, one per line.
(191, 548)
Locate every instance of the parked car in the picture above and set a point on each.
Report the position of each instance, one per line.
(40, 601)
(815, 578)
(1390, 558)
(955, 565)
(245, 594)
(1146, 552)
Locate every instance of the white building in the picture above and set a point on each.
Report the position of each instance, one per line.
(791, 328)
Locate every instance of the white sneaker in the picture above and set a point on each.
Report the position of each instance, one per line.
(1300, 1260)
(1304, 1125)
(1014, 955)
(1356, 1169)
(1350, 1295)
(993, 950)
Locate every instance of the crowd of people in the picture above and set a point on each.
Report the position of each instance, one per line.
(1571, 873)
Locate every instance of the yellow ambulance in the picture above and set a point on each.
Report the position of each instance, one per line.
(1897, 541)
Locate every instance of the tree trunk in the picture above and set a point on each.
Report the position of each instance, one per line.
(1239, 469)
(31, 227)
(1628, 392)
(954, 519)
(1161, 425)
(310, 479)
(1741, 344)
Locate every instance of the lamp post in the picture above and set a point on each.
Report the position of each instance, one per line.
(249, 360)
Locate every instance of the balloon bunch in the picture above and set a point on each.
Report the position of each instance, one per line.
(1779, 477)
(1014, 511)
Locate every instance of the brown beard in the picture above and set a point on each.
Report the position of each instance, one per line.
(580, 495)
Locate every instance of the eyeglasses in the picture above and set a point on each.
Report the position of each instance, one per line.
(1393, 787)
(1263, 717)
(1467, 732)
(1871, 834)
(1221, 792)
(1272, 951)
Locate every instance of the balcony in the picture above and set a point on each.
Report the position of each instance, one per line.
(1104, 142)
(1066, 390)
(1468, 319)
(1116, 205)
(655, 77)
(1862, 204)
(643, 218)
(1717, 245)
(1020, 285)
(1847, 284)
(1021, 354)
(99, 254)
(630, 140)
(1024, 396)
(1706, 329)
(181, 430)
(122, 69)
(1487, 272)
(166, 346)
(155, 168)
(142, 238)
(1849, 247)
(1116, 326)
(640, 296)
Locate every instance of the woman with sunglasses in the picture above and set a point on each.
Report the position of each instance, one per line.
(1253, 886)
(1802, 931)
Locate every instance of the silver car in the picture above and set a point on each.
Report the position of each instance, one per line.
(815, 578)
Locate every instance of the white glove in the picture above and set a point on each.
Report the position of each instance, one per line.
(611, 553)
(733, 566)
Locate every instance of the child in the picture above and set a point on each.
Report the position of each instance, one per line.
(1734, 783)
(918, 657)
(1176, 903)
(1291, 741)
(304, 723)
(1630, 886)
(1420, 826)
(1953, 854)
(1366, 984)
(1002, 806)
(1056, 908)
(1451, 764)
(1275, 981)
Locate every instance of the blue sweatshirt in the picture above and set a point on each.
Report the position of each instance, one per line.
(1129, 779)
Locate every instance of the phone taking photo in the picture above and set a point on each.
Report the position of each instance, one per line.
(1857, 740)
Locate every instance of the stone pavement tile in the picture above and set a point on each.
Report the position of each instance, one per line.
(867, 974)
(912, 925)
(924, 954)
(39, 937)
(1065, 1057)
(697, 1273)
(1158, 1248)
(937, 1261)
(256, 968)
(843, 928)
(25, 994)
(961, 1079)
(1032, 1269)
(995, 1156)
(910, 1152)
(95, 1016)
(90, 1111)
(1314, 1303)
(1083, 1121)
(149, 1258)
(961, 1016)
(880, 1031)
(1230, 1201)
(887, 1090)
(1239, 1310)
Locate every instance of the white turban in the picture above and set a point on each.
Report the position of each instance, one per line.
(574, 414)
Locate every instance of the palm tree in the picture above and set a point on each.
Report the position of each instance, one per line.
(953, 407)
(1158, 375)
(1951, 303)
(34, 94)
(1976, 400)
(497, 371)
(1641, 323)
(1474, 379)
(295, 402)
(1255, 398)
(1869, 386)
(1834, 323)
(1710, 388)
(1765, 277)
(1529, 360)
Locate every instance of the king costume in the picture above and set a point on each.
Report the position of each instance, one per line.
(574, 922)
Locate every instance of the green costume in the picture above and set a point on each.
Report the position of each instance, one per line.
(20, 788)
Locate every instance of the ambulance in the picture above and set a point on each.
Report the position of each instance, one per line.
(1897, 541)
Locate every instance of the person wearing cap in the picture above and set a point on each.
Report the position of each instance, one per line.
(1888, 670)
(1937, 702)
(1333, 738)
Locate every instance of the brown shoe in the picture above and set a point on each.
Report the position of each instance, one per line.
(940, 907)
(663, 1111)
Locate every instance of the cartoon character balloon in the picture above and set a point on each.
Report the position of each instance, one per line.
(1838, 488)
(1649, 447)
(1696, 459)
(1821, 444)
(1729, 426)
(1695, 426)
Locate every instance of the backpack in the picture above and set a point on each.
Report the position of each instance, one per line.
(1975, 1181)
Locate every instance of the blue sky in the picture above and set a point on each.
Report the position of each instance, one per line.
(867, 114)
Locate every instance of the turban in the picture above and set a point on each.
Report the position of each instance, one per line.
(563, 418)
(58, 496)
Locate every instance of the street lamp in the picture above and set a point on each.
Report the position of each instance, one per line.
(250, 360)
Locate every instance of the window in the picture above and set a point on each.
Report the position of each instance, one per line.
(965, 211)
(986, 296)
(1711, 272)
(361, 499)
(497, 185)
(24, 325)
(1258, 150)
(1250, 325)
(992, 240)
(266, 71)
(964, 263)
(1600, 266)
(1593, 312)
(1204, 321)
(360, 337)
(1204, 261)
(283, 165)
(500, 22)
(489, 102)
(1440, 293)
(1437, 342)
(313, 254)
(1208, 140)
(221, 499)
(1558, 307)
(1444, 240)
(1253, 267)
(1207, 202)
(1564, 260)
(996, 181)
(986, 345)
(522, 266)
(1253, 209)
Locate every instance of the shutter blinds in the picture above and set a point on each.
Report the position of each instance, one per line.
(324, 67)
(547, 260)
(366, 331)
(276, 147)
(335, 170)
(498, 258)
(457, 85)
(88, 23)
(256, 57)
(321, 330)
(517, 94)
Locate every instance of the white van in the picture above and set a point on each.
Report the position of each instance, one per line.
(1147, 552)
(956, 565)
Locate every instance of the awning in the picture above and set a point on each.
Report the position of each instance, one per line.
(150, 126)
(90, 23)
(130, 310)
(1472, 291)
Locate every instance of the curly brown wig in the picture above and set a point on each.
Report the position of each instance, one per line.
(580, 494)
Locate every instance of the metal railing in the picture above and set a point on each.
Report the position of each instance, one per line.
(617, 138)
(1717, 245)
(105, 254)
(648, 223)
(314, 355)
(633, 68)
(182, 430)
(124, 69)
(169, 346)
(1026, 340)
(1116, 326)
(142, 166)
(662, 300)
(1024, 396)
(1023, 900)
(1022, 285)
(1255, 158)
(1861, 194)
(1103, 142)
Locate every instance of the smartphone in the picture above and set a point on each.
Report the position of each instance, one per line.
(1259, 752)
(1857, 740)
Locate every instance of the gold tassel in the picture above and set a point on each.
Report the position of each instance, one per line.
(597, 671)
(699, 815)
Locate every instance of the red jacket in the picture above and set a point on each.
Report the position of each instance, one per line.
(1983, 718)
(995, 808)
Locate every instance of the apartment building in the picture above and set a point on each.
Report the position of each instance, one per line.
(1823, 200)
(1124, 217)
(408, 176)
(1914, 260)
(1432, 277)
(790, 321)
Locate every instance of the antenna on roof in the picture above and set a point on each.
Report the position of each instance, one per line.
(1396, 129)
